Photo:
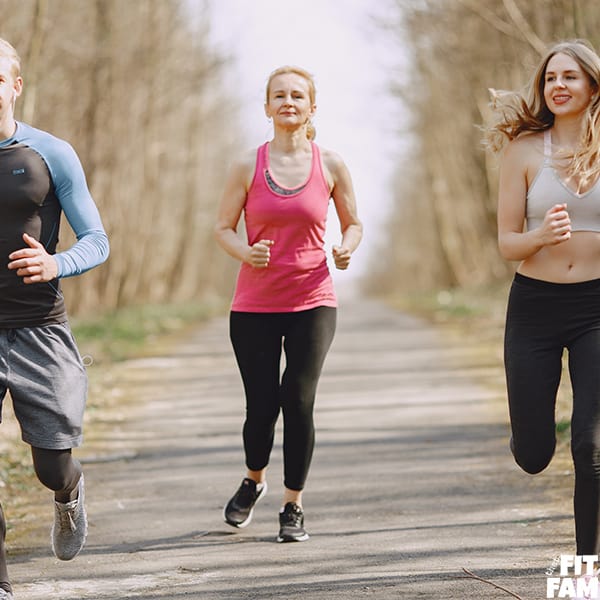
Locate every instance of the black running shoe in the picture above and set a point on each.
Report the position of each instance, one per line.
(291, 524)
(238, 512)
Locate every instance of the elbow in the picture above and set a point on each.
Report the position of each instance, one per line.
(504, 251)
(508, 251)
(505, 247)
(356, 227)
(218, 233)
(221, 234)
(105, 249)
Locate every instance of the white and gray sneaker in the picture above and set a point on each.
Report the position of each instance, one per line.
(70, 526)
(4, 595)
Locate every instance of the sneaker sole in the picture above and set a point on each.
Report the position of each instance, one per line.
(247, 521)
(285, 540)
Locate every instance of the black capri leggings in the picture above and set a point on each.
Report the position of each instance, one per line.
(257, 342)
(543, 318)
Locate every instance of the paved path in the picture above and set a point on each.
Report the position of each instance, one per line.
(411, 482)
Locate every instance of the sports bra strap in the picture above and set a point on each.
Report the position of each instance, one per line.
(547, 146)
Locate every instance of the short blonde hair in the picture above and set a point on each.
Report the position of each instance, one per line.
(7, 51)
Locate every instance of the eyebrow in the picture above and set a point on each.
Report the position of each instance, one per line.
(294, 91)
(565, 71)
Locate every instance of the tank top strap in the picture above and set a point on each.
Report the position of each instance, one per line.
(262, 157)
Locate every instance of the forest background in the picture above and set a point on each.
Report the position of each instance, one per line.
(141, 92)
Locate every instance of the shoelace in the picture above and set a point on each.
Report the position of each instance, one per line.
(67, 518)
(293, 518)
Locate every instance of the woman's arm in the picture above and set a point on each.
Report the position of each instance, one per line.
(345, 204)
(229, 213)
(515, 243)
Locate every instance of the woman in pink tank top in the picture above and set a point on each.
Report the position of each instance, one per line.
(549, 223)
(284, 296)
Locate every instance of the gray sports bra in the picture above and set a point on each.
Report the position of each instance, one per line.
(549, 189)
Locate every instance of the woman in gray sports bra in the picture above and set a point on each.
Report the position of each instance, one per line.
(549, 222)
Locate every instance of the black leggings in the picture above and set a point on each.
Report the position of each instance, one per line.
(543, 318)
(257, 342)
(56, 470)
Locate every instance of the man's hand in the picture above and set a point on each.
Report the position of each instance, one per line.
(33, 263)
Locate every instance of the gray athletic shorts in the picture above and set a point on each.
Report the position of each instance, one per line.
(42, 369)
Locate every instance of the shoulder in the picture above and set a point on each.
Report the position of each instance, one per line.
(334, 167)
(332, 160)
(523, 156)
(527, 146)
(242, 167)
(244, 161)
(58, 153)
(39, 139)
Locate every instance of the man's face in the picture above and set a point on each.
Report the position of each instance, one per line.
(10, 88)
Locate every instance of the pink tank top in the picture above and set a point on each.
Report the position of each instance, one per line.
(297, 277)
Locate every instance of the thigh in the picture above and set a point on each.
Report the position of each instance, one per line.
(584, 370)
(48, 385)
(533, 362)
(308, 337)
(256, 339)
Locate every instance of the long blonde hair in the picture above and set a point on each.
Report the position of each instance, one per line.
(311, 132)
(520, 113)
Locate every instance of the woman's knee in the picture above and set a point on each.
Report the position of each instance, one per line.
(532, 458)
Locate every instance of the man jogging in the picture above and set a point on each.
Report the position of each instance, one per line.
(40, 178)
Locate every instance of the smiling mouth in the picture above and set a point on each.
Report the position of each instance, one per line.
(560, 99)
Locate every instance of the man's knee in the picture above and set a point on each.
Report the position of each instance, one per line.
(56, 469)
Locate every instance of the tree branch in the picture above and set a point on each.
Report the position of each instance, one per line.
(523, 26)
(491, 19)
(498, 587)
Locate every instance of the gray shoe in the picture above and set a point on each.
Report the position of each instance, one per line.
(70, 526)
(4, 595)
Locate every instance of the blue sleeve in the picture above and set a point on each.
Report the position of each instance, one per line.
(91, 247)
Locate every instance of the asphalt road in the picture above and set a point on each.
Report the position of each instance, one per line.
(411, 483)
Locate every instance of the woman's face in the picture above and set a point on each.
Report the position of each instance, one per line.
(567, 88)
(289, 102)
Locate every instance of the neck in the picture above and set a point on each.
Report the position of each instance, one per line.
(8, 126)
(567, 132)
(289, 142)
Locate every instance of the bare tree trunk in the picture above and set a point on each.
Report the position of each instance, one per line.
(30, 91)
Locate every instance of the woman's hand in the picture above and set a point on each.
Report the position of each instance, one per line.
(33, 263)
(341, 257)
(556, 226)
(259, 254)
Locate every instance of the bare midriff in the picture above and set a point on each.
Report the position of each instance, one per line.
(577, 259)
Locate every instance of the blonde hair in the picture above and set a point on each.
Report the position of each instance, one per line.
(528, 112)
(7, 51)
(311, 132)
